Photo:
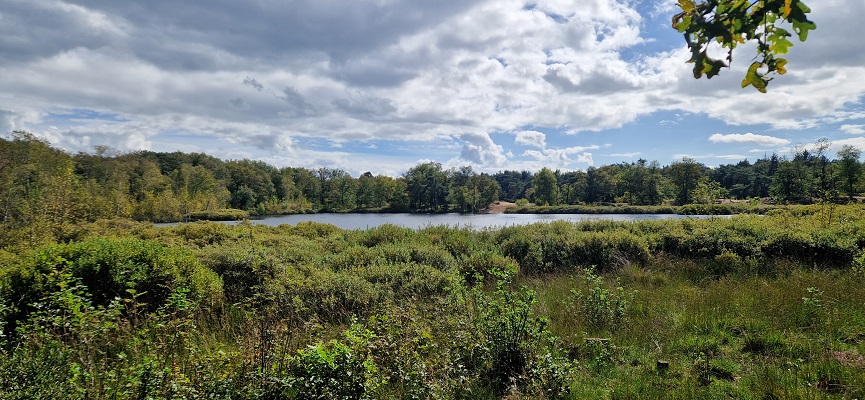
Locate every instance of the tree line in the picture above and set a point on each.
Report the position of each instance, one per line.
(42, 185)
(808, 176)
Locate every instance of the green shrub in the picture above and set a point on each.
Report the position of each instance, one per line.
(478, 266)
(599, 307)
(246, 270)
(355, 256)
(460, 242)
(227, 214)
(109, 269)
(406, 280)
(433, 256)
(563, 247)
(334, 297)
(202, 234)
(514, 339)
(387, 233)
(312, 230)
(332, 370)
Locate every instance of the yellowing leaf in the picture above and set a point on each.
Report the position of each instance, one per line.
(780, 66)
(754, 78)
(687, 5)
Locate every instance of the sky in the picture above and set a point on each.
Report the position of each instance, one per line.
(382, 85)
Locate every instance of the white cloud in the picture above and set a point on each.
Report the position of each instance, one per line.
(733, 157)
(853, 129)
(269, 74)
(563, 158)
(625, 155)
(857, 142)
(480, 149)
(531, 138)
(748, 138)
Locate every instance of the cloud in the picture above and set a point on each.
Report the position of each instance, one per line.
(121, 136)
(480, 149)
(297, 105)
(732, 157)
(531, 138)
(748, 138)
(258, 72)
(7, 121)
(253, 83)
(834, 146)
(563, 158)
(853, 129)
(857, 142)
(238, 103)
(361, 104)
(626, 155)
(61, 26)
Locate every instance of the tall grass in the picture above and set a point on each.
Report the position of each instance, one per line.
(744, 307)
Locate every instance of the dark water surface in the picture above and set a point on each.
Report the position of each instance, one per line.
(474, 221)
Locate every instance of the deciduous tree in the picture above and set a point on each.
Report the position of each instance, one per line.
(729, 23)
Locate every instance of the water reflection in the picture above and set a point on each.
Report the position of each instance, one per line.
(474, 221)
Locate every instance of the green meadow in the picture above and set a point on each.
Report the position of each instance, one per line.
(751, 306)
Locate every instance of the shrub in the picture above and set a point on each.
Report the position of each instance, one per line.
(203, 233)
(227, 214)
(406, 280)
(332, 370)
(514, 337)
(312, 230)
(563, 247)
(387, 233)
(599, 307)
(109, 269)
(479, 266)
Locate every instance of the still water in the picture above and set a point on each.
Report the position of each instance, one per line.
(474, 221)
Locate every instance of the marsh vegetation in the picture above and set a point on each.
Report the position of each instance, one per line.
(744, 307)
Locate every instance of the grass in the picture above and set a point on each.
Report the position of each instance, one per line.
(745, 307)
(735, 336)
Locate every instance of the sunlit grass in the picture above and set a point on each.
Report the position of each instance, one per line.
(744, 307)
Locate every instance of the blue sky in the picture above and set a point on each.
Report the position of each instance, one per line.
(381, 85)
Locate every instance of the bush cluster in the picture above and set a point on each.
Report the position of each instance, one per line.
(558, 310)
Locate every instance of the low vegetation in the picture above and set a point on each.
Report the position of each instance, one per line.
(749, 306)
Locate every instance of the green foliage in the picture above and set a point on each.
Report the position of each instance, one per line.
(546, 189)
(228, 214)
(730, 23)
(472, 192)
(478, 266)
(513, 338)
(427, 187)
(741, 307)
(600, 307)
(107, 269)
(580, 209)
(562, 247)
(331, 370)
(686, 176)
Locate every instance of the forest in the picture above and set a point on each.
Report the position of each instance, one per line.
(43, 185)
(97, 302)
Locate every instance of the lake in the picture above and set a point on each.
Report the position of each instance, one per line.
(474, 221)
